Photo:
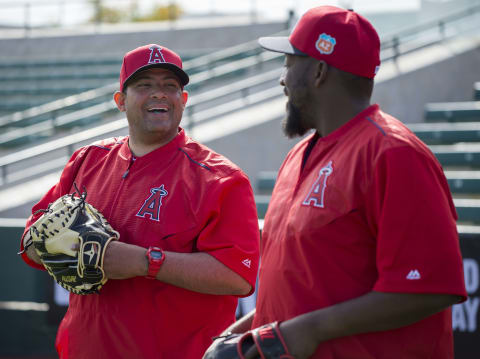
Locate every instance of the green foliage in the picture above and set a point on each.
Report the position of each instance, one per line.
(108, 14)
(162, 13)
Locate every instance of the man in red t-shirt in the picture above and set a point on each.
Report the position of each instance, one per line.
(170, 198)
(360, 254)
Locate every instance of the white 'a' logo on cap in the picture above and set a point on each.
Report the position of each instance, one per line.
(156, 56)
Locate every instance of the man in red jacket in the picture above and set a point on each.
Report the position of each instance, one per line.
(187, 220)
(360, 253)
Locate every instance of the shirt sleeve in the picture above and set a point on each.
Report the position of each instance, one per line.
(417, 241)
(232, 235)
(61, 188)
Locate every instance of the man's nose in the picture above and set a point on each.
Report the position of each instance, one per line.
(158, 92)
(282, 78)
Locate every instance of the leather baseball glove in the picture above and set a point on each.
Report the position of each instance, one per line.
(71, 238)
(267, 339)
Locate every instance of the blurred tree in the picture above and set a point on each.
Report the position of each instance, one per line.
(161, 13)
(108, 14)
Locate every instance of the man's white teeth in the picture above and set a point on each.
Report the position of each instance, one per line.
(157, 110)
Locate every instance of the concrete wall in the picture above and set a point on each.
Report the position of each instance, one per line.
(404, 93)
(184, 40)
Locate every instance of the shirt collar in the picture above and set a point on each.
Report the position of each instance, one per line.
(171, 147)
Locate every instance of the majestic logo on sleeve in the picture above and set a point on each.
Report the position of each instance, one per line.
(316, 196)
(152, 204)
(156, 55)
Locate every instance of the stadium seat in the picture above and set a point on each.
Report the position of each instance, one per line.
(467, 111)
(476, 91)
(446, 132)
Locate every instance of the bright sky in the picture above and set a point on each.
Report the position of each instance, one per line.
(72, 12)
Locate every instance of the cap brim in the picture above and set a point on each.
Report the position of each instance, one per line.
(279, 44)
(182, 75)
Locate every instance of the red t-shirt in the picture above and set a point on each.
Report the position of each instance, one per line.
(182, 197)
(371, 210)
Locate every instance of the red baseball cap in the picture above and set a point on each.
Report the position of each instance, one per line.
(147, 57)
(342, 38)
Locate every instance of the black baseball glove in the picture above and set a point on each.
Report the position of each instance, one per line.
(267, 339)
(71, 238)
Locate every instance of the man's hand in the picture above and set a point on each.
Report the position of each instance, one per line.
(300, 342)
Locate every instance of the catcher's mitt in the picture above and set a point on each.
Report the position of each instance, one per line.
(267, 339)
(71, 238)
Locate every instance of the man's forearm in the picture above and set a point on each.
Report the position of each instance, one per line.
(378, 311)
(242, 325)
(199, 272)
(202, 273)
(372, 312)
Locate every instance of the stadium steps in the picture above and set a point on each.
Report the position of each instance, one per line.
(21, 127)
(47, 80)
(466, 111)
(458, 154)
(455, 144)
(476, 91)
(447, 132)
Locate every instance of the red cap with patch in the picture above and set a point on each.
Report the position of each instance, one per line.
(149, 56)
(342, 38)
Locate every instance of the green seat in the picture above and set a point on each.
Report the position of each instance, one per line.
(447, 133)
(266, 181)
(476, 91)
(464, 182)
(468, 210)
(262, 204)
(458, 155)
(468, 111)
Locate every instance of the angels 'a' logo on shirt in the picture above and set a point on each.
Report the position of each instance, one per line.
(316, 196)
(151, 206)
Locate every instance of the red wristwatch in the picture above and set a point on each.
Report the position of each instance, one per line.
(155, 256)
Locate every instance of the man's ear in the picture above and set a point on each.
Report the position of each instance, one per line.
(119, 98)
(185, 97)
(320, 74)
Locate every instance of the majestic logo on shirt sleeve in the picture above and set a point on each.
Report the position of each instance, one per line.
(153, 203)
(316, 196)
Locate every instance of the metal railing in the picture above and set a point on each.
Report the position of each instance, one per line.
(66, 145)
(429, 33)
(242, 88)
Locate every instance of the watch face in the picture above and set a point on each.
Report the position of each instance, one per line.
(156, 255)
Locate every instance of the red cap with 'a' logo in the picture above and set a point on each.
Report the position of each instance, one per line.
(342, 38)
(149, 56)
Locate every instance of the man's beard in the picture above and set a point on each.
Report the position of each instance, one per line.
(292, 124)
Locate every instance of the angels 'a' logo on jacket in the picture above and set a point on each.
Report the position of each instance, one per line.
(316, 196)
(152, 204)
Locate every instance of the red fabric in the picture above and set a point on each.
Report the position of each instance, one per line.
(208, 207)
(387, 224)
(343, 39)
(148, 56)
